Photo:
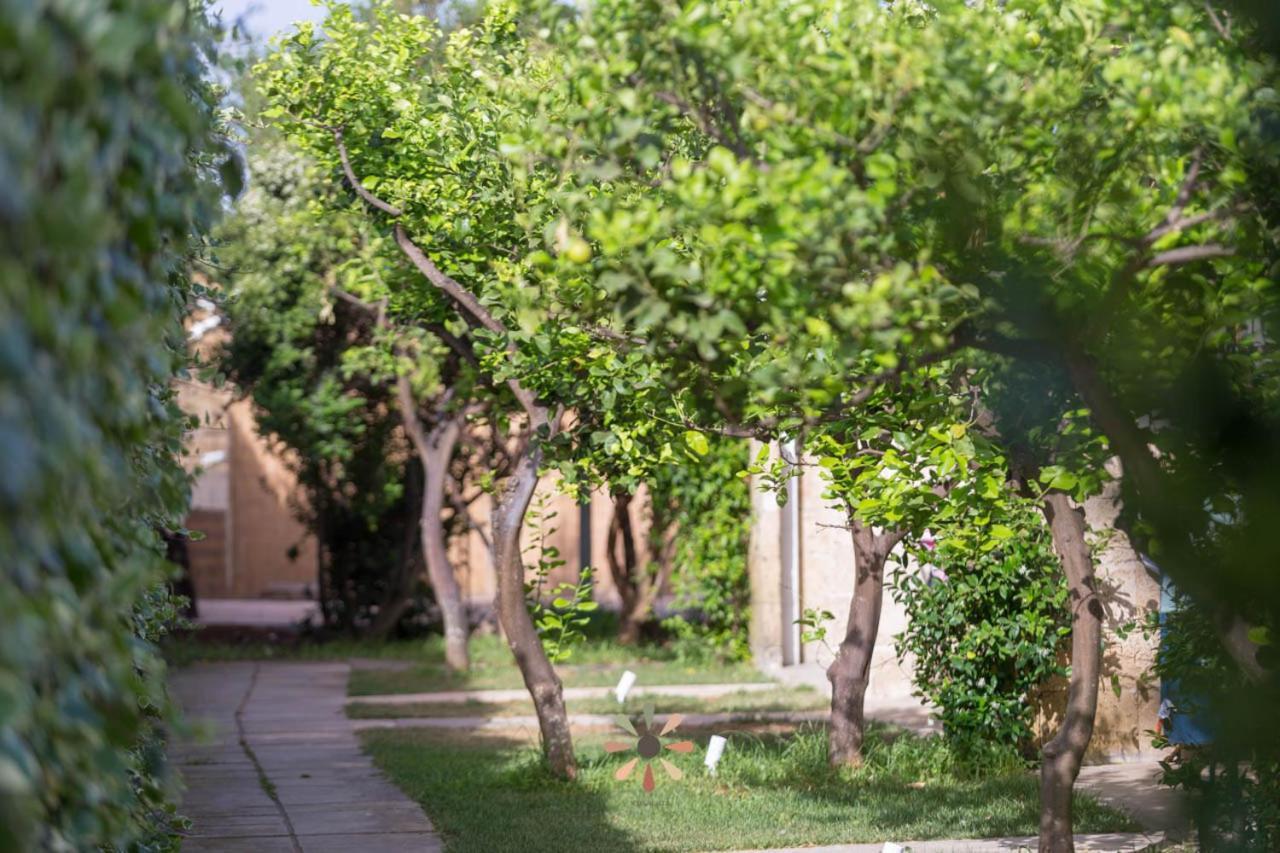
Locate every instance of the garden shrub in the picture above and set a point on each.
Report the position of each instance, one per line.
(110, 168)
(984, 628)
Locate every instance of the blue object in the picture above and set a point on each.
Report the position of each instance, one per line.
(1180, 726)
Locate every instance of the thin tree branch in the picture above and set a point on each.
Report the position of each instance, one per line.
(368, 197)
(1188, 186)
(459, 294)
(461, 347)
(1189, 254)
(1185, 222)
(1223, 30)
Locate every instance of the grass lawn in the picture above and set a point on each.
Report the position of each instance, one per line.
(192, 648)
(598, 663)
(489, 792)
(781, 699)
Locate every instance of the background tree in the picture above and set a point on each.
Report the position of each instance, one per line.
(301, 352)
(358, 100)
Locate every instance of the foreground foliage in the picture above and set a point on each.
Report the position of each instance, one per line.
(105, 122)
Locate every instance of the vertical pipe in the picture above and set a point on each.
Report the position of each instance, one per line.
(584, 533)
(792, 651)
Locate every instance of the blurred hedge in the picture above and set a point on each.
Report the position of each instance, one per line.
(109, 171)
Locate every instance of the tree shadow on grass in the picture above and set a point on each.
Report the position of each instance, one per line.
(903, 793)
(493, 793)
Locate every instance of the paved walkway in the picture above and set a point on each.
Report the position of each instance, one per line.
(280, 770)
(255, 612)
(1134, 787)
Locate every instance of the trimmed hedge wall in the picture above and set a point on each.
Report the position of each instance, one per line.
(110, 171)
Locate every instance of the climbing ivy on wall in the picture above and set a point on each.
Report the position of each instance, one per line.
(110, 170)
(706, 506)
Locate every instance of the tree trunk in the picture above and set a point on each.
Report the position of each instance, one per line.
(1142, 470)
(1063, 754)
(621, 554)
(400, 593)
(637, 588)
(850, 671)
(522, 637)
(435, 450)
(440, 445)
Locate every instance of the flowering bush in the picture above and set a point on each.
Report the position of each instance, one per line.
(984, 629)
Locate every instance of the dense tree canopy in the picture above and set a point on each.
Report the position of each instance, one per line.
(656, 222)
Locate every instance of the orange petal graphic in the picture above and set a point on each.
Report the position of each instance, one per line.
(674, 772)
(648, 778)
(681, 746)
(617, 746)
(672, 721)
(624, 772)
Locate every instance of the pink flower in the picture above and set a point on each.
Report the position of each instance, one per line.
(928, 542)
(933, 573)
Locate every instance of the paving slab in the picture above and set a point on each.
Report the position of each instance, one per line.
(255, 612)
(1134, 787)
(251, 844)
(273, 766)
(384, 842)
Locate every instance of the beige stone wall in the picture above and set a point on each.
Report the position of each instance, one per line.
(263, 531)
(473, 563)
(242, 498)
(827, 575)
(764, 567)
(824, 564)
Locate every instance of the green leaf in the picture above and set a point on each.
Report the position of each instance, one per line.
(697, 442)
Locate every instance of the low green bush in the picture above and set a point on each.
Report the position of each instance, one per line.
(985, 634)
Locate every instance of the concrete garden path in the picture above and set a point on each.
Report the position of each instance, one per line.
(702, 691)
(529, 722)
(911, 716)
(279, 770)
